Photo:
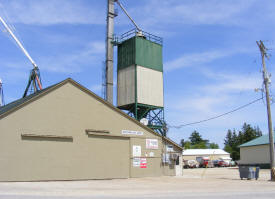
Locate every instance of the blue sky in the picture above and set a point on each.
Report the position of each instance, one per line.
(211, 60)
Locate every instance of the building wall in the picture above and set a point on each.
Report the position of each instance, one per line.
(126, 86)
(169, 168)
(255, 154)
(211, 156)
(149, 86)
(153, 158)
(68, 111)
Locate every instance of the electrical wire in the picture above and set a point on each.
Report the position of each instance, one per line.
(218, 116)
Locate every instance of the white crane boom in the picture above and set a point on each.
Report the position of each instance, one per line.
(120, 5)
(18, 42)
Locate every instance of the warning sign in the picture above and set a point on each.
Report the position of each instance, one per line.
(143, 163)
(136, 151)
(136, 162)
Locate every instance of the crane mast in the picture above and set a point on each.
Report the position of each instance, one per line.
(34, 79)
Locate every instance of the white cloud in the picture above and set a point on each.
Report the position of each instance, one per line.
(195, 59)
(97, 47)
(49, 12)
(196, 12)
(199, 58)
(202, 104)
(74, 61)
(60, 62)
(217, 97)
(232, 83)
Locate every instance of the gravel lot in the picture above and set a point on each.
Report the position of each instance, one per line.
(195, 183)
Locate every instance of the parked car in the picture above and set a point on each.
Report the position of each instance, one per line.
(232, 163)
(226, 161)
(215, 163)
(203, 161)
(190, 164)
(221, 163)
(210, 164)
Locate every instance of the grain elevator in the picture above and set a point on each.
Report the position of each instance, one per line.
(140, 78)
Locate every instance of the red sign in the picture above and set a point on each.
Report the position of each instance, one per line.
(143, 163)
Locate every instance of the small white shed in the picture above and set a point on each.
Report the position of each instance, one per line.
(214, 154)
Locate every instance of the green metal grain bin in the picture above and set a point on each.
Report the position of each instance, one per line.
(140, 74)
(140, 51)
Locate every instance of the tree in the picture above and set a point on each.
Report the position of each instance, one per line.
(232, 141)
(187, 145)
(197, 142)
(182, 142)
(195, 138)
(228, 138)
(213, 145)
(201, 145)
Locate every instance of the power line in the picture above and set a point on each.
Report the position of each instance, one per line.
(218, 116)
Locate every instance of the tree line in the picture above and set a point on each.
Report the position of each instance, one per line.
(197, 142)
(232, 141)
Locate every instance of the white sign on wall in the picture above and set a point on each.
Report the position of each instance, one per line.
(151, 143)
(169, 148)
(136, 162)
(128, 132)
(136, 151)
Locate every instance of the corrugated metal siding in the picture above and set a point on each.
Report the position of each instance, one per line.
(148, 54)
(126, 86)
(140, 51)
(126, 53)
(149, 86)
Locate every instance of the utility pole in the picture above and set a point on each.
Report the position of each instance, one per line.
(2, 103)
(266, 83)
(110, 50)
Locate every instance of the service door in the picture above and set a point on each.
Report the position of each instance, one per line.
(110, 157)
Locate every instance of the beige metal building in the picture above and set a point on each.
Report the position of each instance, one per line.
(256, 152)
(213, 154)
(66, 132)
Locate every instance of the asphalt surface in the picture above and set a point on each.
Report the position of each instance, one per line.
(195, 183)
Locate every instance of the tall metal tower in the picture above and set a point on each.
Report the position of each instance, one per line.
(110, 50)
(140, 78)
(2, 103)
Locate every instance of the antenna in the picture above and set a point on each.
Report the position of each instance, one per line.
(34, 78)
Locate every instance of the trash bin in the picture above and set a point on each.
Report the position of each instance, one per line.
(249, 172)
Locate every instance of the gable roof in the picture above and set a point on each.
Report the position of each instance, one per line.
(258, 141)
(15, 105)
(204, 152)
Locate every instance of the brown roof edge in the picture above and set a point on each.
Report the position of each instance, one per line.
(92, 94)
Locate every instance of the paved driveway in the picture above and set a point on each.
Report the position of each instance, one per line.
(195, 183)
